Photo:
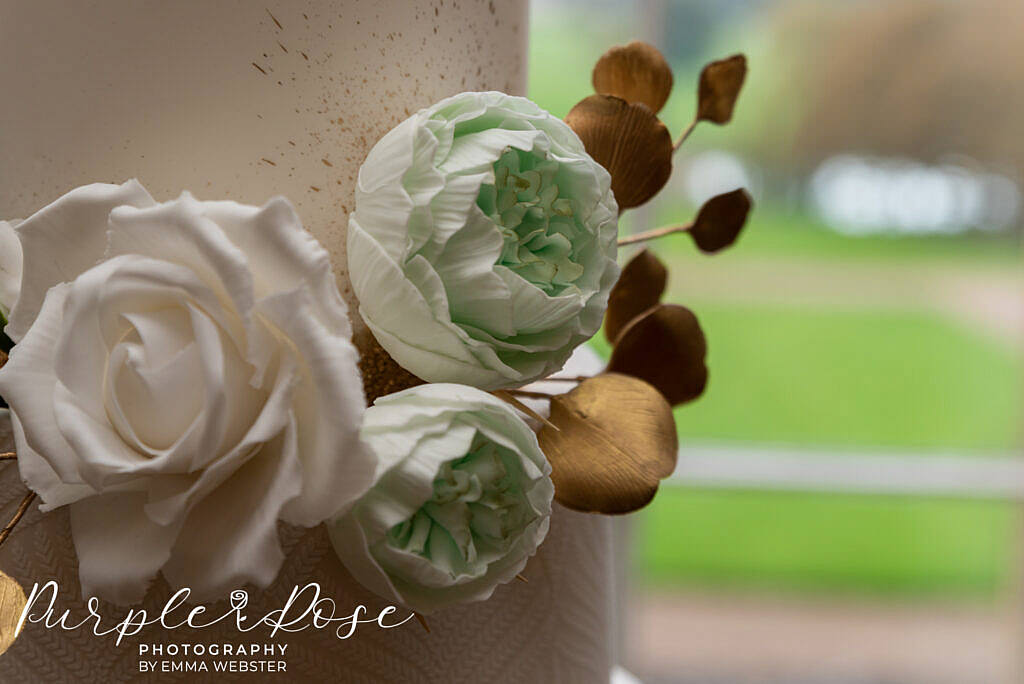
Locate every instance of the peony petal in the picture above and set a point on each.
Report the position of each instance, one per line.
(430, 264)
(536, 311)
(417, 432)
(448, 212)
(385, 294)
(477, 152)
(64, 239)
(379, 191)
(408, 484)
(477, 295)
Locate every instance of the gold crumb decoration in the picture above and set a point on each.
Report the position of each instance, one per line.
(636, 72)
(12, 603)
(616, 441)
(720, 84)
(640, 286)
(665, 347)
(381, 374)
(629, 141)
(720, 220)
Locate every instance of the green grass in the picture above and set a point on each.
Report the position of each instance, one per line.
(897, 379)
(894, 379)
(773, 232)
(857, 378)
(835, 543)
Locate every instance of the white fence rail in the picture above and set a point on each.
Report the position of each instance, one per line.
(937, 474)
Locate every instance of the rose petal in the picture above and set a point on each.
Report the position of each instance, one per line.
(10, 266)
(283, 256)
(219, 549)
(27, 382)
(64, 239)
(179, 233)
(119, 548)
(337, 467)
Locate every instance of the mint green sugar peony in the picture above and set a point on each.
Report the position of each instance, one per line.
(461, 499)
(482, 247)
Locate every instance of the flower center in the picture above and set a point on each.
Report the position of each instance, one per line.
(538, 226)
(478, 506)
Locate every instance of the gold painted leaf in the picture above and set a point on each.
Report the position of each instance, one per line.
(636, 72)
(12, 603)
(720, 220)
(720, 84)
(640, 286)
(665, 347)
(616, 440)
(629, 141)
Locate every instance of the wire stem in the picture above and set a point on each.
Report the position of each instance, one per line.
(655, 233)
(685, 134)
(18, 514)
(507, 396)
(528, 393)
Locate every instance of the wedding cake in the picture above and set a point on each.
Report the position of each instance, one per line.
(231, 99)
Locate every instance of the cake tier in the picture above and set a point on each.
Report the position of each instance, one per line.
(242, 100)
(233, 99)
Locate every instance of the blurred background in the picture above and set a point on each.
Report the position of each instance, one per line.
(848, 503)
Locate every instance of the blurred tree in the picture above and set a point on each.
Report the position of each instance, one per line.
(916, 78)
(691, 25)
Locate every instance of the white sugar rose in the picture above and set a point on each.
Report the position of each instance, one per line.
(482, 247)
(183, 378)
(462, 498)
(10, 266)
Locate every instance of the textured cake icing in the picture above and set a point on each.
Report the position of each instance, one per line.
(242, 100)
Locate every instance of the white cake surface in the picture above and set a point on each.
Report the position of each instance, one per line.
(233, 99)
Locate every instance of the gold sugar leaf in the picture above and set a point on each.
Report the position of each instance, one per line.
(12, 603)
(629, 141)
(640, 286)
(616, 441)
(720, 220)
(636, 72)
(665, 347)
(720, 84)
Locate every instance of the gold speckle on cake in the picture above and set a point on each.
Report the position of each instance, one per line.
(275, 20)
